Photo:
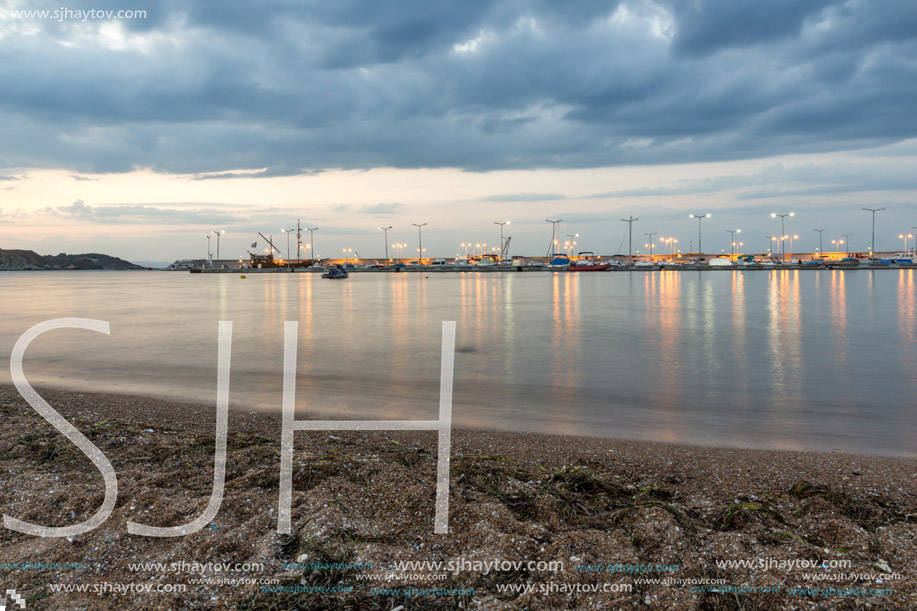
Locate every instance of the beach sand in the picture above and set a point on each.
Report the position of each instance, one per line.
(368, 498)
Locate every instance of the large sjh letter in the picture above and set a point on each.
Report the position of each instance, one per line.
(290, 425)
(61, 424)
(219, 456)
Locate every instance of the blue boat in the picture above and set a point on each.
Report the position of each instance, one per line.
(336, 273)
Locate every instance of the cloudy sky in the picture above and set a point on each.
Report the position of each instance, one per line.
(137, 134)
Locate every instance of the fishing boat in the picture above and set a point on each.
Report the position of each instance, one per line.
(587, 263)
(336, 273)
(904, 258)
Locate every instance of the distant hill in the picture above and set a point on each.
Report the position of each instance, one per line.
(29, 260)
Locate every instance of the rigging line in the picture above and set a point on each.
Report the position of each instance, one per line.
(621, 245)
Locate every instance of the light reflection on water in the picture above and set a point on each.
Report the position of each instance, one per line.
(821, 360)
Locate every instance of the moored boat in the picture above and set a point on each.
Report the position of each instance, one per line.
(587, 263)
(336, 273)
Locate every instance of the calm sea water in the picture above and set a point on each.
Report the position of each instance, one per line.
(820, 360)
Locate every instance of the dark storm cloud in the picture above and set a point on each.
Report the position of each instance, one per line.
(282, 87)
(705, 26)
(799, 181)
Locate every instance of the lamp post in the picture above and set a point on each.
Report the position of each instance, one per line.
(872, 249)
(906, 236)
(419, 242)
(571, 241)
(699, 217)
(770, 243)
(288, 232)
(346, 252)
(385, 233)
(555, 233)
(821, 248)
(208, 236)
(837, 245)
(630, 238)
(783, 228)
(732, 235)
(669, 242)
(651, 243)
(501, 233)
(847, 240)
(312, 231)
(219, 233)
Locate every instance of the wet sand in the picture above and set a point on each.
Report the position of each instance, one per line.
(365, 499)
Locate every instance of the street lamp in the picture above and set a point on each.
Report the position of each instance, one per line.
(821, 248)
(419, 242)
(209, 255)
(770, 243)
(651, 243)
(699, 217)
(571, 241)
(501, 233)
(385, 233)
(872, 249)
(906, 236)
(669, 242)
(219, 233)
(288, 232)
(837, 245)
(312, 231)
(783, 227)
(732, 234)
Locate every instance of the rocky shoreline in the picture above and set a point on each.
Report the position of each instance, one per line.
(28, 260)
(625, 524)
